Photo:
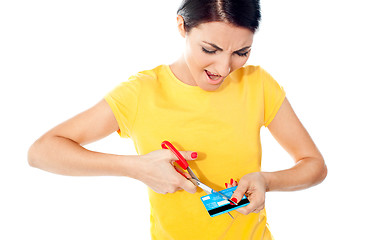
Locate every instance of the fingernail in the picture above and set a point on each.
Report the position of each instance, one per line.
(236, 182)
(234, 199)
(194, 155)
(231, 181)
(226, 185)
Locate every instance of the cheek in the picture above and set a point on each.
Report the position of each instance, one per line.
(201, 61)
(197, 58)
(238, 62)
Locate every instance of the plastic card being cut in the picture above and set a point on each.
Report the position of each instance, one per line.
(216, 205)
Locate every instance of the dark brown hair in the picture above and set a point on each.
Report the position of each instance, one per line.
(241, 13)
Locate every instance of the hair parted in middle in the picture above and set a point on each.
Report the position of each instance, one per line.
(241, 13)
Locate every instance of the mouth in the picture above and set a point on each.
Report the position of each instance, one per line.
(213, 78)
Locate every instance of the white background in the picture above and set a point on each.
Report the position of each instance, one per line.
(58, 58)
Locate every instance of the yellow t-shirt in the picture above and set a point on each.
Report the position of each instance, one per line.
(222, 126)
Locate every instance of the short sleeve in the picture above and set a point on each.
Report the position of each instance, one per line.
(123, 101)
(274, 95)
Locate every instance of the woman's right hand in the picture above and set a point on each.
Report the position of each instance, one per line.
(61, 151)
(157, 171)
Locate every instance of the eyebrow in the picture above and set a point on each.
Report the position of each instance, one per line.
(220, 49)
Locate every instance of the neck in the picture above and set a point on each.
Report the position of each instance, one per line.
(181, 71)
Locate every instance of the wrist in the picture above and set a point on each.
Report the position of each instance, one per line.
(132, 166)
(267, 176)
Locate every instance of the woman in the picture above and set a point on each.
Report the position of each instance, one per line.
(210, 106)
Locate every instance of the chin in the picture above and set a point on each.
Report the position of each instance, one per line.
(209, 87)
(205, 84)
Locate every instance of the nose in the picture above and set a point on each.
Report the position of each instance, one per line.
(223, 65)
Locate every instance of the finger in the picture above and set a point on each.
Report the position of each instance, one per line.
(189, 155)
(188, 186)
(250, 209)
(240, 191)
(231, 183)
(258, 208)
(256, 205)
(247, 209)
(184, 174)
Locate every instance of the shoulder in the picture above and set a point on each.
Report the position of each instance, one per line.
(250, 71)
(147, 76)
(144, 79)
(136, 84)
(251, 76)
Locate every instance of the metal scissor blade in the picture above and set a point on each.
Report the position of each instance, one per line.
(199, 184)
(210, 190)
(192, 174)
(206, 188)
(225, 197)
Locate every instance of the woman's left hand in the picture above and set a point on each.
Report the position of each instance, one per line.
(253, 185)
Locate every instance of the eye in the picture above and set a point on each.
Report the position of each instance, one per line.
(208, 51)
(242, 54)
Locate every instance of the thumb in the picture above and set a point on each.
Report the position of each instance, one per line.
(239, 192)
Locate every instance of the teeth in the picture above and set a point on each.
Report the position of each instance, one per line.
(209, 73)
(212, 75)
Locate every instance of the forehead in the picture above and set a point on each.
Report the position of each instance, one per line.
(224, 35)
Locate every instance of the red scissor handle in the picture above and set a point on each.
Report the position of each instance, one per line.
(182, 162)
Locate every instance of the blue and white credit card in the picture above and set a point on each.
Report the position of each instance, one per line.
(216, 205)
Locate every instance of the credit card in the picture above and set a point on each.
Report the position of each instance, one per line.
(216, 205)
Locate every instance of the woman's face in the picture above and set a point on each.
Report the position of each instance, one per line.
(214, 50)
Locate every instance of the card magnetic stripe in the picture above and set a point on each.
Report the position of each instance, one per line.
(216, 205)
(227, 208)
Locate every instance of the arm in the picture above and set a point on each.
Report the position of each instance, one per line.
(309, 168)
(60, 151)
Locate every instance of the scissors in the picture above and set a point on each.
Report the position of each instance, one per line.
(184, 165)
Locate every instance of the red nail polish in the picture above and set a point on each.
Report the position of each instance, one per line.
(226, 185)
(236, 182)
(231, 181)
(234, 200)
(194, 155)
